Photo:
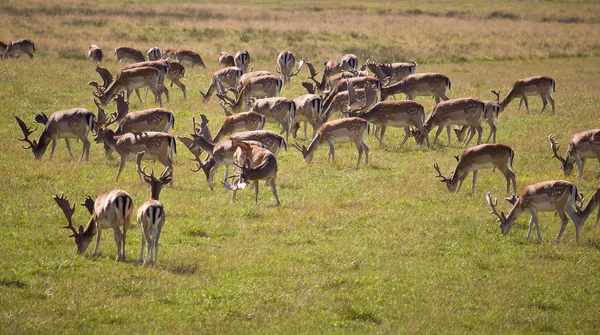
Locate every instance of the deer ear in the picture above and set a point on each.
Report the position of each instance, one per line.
(457, 157)
(80, 229)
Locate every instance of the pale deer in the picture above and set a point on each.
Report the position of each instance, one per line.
(95, 53)
(240, 122)
(336, 65)
(549, 196)
(226, 78)
(155, 119)
(404, 113)
(71, 123)
(585, 212)
(23, 45)
(255, 164)
(394, 72)
(128, 80)
(151, 214)
(484, 156)
(242, 59)
(257, 87)
(162, 65)
(153, 54)
(249, 75)
(285, 65)
(463, 111)
(351, 129)
(186, 57)
(226, 59)
(176, 72)
(126, 54)
(110, 210)
(419, 84)
(582, 146)
(276, 110)
(309, 108)
(531, 86)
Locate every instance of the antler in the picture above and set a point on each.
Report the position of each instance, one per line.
(437, 168)
(63, 203)
(497, 94)
(493, 204)
(579, 202)
(352, 98)
(313, 73)
(41, 118)
(310, 87)
(555, 148)
(106, 76)
(227, 112)
(138, 164)
(26, 132)
(302, 148)
(89, 204)
(300, 64)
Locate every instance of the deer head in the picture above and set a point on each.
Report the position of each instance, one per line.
(156, 184)
(38, 150)
(505, 224)
(63, 203)
(565, 164)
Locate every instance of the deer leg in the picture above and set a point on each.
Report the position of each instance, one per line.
(564, 221)
(144, 238)
(406, 136)
(437, 134)
(534, 214)
(510, 176)
(526, 103)
(304, 126)
(442, 94)
(255, 184)
(124, 238)
(544, 103)
(118, 241)
(381, 133)
(436, 98)
(331, 150)
(492, 132)
(181, 86)
(156, 237)
(479, 133)
(99, 232)
(474, 180)
(123, 159)
(366, 150)
(274, 190)
(137, 91)
(531, 222)
(69, 148)
(576, 221)
(164, 90)
(86, 149)
(551, 100)
(448, 130)
(53, 147)
(520, 104)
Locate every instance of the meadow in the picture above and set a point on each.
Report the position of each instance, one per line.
(380, 249)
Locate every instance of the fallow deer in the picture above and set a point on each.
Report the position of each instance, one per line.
(394, 72)
(162, 65)
(585, 212)
(3, 47)
(23, 45)
(351, 129)
(249, 75)
(484, 156)
(531, 86)
(127, 54)
(128, 80)
(155, 119)
(490, 115)
(226, 59)
(95, 53)
(154, 54)
(549, 196)
(257, 87)
(365, 99)
(240, 122)
(276, 110)
(285, 65)
(227, 78)
(70, 123)
(186, 57)
(582, 146)
(309, 108)
(151, 214)
(242, 59)
(419, 84)
(110, 210)
(176, 72)
(268, 139)
(356, 82)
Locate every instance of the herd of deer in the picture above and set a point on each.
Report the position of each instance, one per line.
(359, 98)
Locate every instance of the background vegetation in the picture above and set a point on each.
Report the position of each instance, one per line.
(382, 249)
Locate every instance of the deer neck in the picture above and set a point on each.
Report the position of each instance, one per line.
(90, 229)
(43, 142)
(312, 147)
(207, 146)
(155, 189)
(589, 208)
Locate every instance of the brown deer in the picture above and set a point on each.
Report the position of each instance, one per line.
(154, 53)
(582, 146)
(127, 54)
(186, 57)
(393, 72)
(226, 78)
(419, 84)
(226, 59)
(257, 87)
(308, 110)
(95, 53)
(489, 115)
(585, 212)
(23, 45)
(531, 86)
(240, 122)
(128, 80)
(276, 110)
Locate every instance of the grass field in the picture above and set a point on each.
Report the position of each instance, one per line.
(381, 249)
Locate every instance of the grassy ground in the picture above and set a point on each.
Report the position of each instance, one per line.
(382, 249)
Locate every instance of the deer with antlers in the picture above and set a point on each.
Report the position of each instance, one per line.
(155, 119)
(23, 45)
(356, 83)
(531, 86)
(276, 110)
(484, 156)
(151, 214)
(285, 65)
(256, 87)
(549, 196)
(110, 210)
(255, 164)
(393, 72)
(71, 123)
(585, 212)
(419, 84)
(128, 80)
(308, 110)
(226, 59)
(582, 146)
(223, 80)
(127, 54)
(242, 59)
(162, 65)
(95, 53)
(352, 129)
(352, 101)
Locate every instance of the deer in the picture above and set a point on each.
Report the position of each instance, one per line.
(285, 65)
(71, 123)
(155, 119)
(154, 54)
(549, 196)
(419, 84)
(162, 65)
(240, 122)
(269, 140)
(308, 110)
(331, 81)
(402, 113)
(484, 156)
(226, 59)
(489, 115)
(352, 129)
(394, 72)
(226, 78)
(531, 86)
(95, 53)
(221, 154)
(257, 87)
(242, 59)
(356, 82)
(249, 75)
(365, 99)
(336, 78)
(463, 111)
(127, 54)
(23, 45)
(3, 48)
(255, 164)
(186, 57)
(109, 210)
(585, 212)
(176, 72)
(129, 80)
(276, 110)
(582, 146)
(151, 214)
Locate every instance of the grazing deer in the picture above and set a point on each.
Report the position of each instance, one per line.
(151, 214)
(221, 154)
(531, 86)
(308, 110)
(226, 78)
(157, 145)
(336, 65)
(110, 210)
(276, 110)
(484, 156)
(154, 54)
(176, 72)
(405, 113)
(285, 64)
(268, 139)
(257, 87)
(23, 45)
(585, 212)
(582, 146)
(255, 163)
(70, 123)
(162, 65)
(489, 115)
(463, 111)
(128, 80)
(549, 196)
(356, 82)
(249, 75)
(126, 54)
(186, 57)
(242, 59)
(351, 129)
(155, 119)
(419, 84)
(364, 99)
(226, 59)
(95, 53)
(394, 72)
(240, 122)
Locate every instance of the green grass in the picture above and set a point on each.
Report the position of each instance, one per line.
(382, 249)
